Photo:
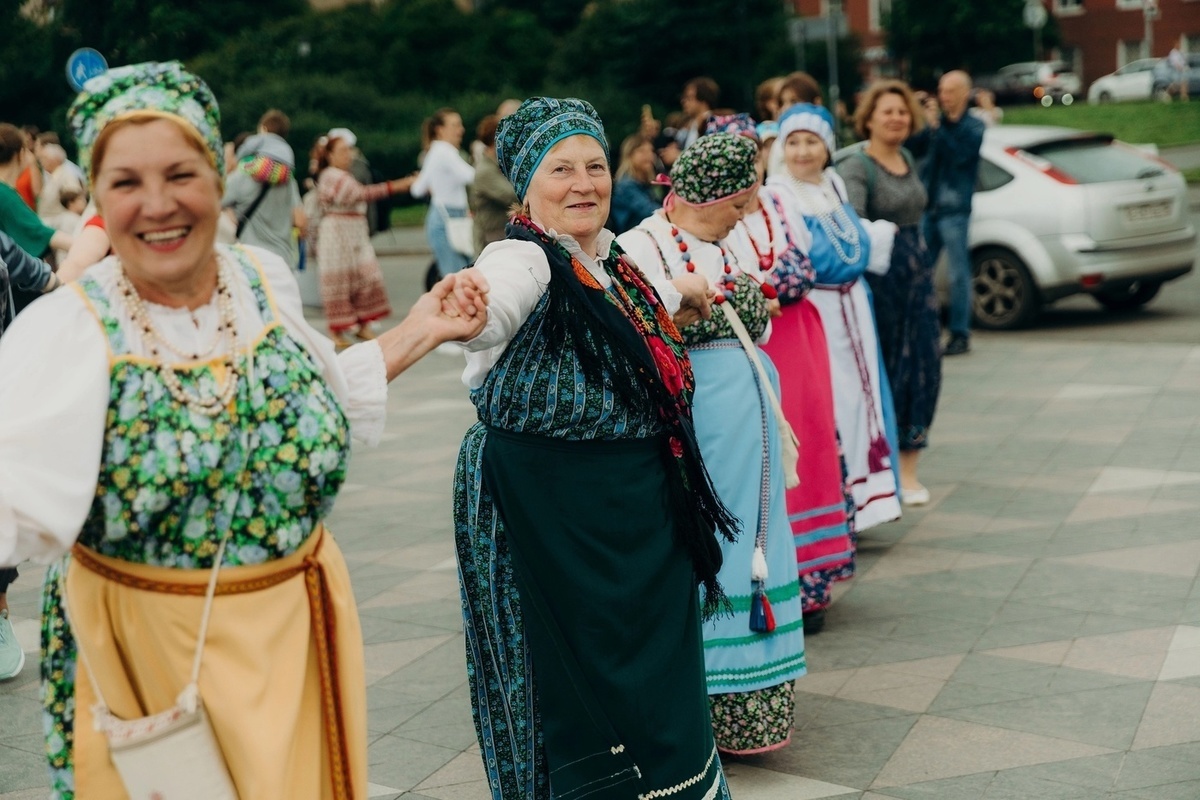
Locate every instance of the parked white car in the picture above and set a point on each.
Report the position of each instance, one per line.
(1059, 212)
(1134, 81)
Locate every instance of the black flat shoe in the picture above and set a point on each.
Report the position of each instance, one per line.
(814, 622)
(957, 346)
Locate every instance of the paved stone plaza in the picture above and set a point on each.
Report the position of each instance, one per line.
(1033, 633)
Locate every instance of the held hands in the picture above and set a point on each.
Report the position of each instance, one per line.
(697, 299)
(456, 306)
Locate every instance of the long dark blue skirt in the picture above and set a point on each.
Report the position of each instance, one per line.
(906, 314)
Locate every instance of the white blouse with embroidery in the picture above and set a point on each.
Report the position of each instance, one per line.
(54, 394)
(518, 274)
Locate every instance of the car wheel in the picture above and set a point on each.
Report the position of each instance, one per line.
(1003, 295)
(1135, 295)
(1106, 97)
(1162, 94)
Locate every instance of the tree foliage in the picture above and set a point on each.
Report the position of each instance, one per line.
(930, 37)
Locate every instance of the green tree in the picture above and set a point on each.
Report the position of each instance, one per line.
(929, 37)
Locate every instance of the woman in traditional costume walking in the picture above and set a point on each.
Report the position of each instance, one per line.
(778, 241)
(584, 517)
(753, 656)
(170, 420)
(840, 253)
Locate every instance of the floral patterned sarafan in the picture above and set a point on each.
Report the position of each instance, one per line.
(172, 481)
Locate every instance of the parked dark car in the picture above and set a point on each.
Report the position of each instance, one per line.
(1166, 79)
(1044, 82)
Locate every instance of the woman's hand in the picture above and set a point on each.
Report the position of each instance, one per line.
(697, 299)
(455, 309)
(774, 308)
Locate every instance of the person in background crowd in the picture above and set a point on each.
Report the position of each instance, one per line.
(766, 99)
(666, 149)
(773, 236)
(50, 137)
(750, 661)
(252, 416)
(491, 195)
(583, 630)
(17, 268)
(70, 219)
(1178, 63)
(948, 151)
(29, 182)
(984, 108)
(379, 209)
(261, 192)
(352, 289)
(634, 196)
(794, 88)
(444, 179)
(882, 184)
(698, 99)
(842, 250)
(59, 178)
(17, 219)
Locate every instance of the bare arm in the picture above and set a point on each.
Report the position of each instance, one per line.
(90, 246)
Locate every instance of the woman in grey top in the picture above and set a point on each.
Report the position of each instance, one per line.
(882, 183)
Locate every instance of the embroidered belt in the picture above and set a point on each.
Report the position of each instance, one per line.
(843, 288)
(324, 628)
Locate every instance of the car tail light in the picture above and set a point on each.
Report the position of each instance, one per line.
(1091, 281)
(1041, 165)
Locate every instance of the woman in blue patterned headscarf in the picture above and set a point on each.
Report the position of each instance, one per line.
(584, 517)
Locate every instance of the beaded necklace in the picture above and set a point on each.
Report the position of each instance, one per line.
(831, 215)
(765, 259)
(208, 405)
(725, 283)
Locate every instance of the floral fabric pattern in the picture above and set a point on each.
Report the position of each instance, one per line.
(754, 722)
(715, 167)
(172, 481)
(152, 86)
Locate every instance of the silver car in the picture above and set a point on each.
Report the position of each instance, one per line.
(1059, 212)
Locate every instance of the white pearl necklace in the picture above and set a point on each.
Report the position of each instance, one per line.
(208, 405)
(832, 217)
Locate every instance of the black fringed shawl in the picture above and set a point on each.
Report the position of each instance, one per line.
(641, 357)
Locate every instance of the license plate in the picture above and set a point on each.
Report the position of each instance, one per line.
(1145, 211)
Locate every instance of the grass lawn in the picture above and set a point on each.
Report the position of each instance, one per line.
(1163, 124)
(409, 216)
(1192, 175)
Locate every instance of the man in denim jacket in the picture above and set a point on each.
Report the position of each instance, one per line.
(948, 148)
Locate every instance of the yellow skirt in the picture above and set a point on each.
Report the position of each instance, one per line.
(282, 676)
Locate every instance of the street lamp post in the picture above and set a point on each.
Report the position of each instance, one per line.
(1149, 14)
(834, 11)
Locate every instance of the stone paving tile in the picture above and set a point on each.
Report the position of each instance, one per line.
(1032, 634)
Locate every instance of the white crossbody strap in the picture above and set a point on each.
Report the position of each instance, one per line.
(743, 336)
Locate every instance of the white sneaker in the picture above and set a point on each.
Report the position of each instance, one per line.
(914, 497)
(12, 657)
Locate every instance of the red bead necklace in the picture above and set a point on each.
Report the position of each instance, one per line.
(765, 259)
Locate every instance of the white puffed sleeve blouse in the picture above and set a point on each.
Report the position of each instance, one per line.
(54, 391)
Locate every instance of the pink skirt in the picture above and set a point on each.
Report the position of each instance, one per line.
(817, 507)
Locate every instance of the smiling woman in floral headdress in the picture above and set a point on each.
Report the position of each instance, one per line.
(172, 412)
(753, 656)
(584, 517)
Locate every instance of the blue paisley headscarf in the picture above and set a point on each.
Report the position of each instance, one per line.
(525, 136)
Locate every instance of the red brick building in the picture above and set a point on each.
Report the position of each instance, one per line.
(1100, 35)
(865, 18)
